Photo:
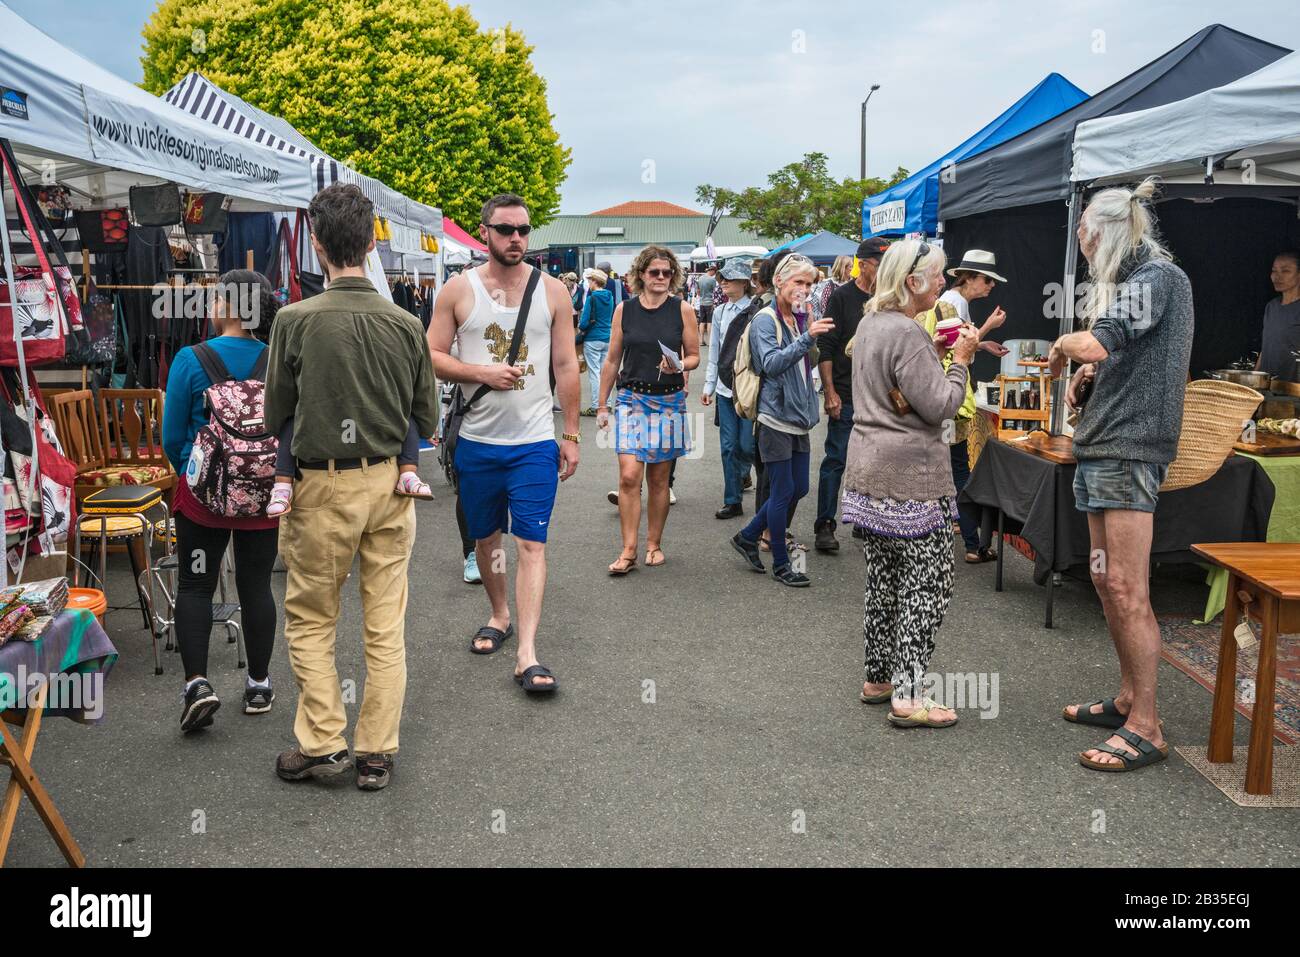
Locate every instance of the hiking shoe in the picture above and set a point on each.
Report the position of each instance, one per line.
(257, 700)
(788, 576)
(201, 703)
(747, 483)
(472, 576)
(296, 766)
(374, 771)
(749, 550)
(826, 540)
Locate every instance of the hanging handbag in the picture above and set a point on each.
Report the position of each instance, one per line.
(156, 205)
(99, 345)
(103, 230)
(309, 283)
(460, 405)
(206, 213)
(282, 270)
(44, 300)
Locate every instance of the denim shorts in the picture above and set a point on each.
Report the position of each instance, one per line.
(1101, 484)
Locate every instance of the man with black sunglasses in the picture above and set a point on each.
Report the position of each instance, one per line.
(506, 455)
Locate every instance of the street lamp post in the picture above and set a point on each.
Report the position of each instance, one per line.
(863, 166)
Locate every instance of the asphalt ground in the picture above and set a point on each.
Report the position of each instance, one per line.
(706, 716)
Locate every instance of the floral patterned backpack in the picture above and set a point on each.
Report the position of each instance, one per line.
(232, 463)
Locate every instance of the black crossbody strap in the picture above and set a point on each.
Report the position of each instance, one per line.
(516, 338)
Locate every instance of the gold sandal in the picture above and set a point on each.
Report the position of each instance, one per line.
(631, 564)
(920, 718)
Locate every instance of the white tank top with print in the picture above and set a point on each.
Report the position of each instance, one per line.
(523, 415)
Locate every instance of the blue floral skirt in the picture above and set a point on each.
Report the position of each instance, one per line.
(654, 428)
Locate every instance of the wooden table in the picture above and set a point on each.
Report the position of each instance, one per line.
(23, 780)
(1264, 578)
(75, 645)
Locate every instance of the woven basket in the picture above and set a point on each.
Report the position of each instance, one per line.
(1214, 414)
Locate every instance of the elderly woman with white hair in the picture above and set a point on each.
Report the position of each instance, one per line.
(787, 412)
(898, 486)
(1134, 357)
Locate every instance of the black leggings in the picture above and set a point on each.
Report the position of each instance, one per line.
(199, 551)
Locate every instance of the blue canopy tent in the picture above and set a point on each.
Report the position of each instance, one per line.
(912, 206)
(821, 247)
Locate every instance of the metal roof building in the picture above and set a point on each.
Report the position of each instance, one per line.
(572, 243)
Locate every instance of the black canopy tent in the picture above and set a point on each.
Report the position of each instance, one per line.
(1016, 199)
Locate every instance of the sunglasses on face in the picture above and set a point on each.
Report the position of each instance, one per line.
(658, 273)
(505, 229)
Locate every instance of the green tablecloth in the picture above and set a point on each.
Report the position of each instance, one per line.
(1283, 523)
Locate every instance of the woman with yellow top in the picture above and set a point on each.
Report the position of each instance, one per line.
(958, 448)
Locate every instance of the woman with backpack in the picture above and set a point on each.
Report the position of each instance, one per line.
(780, 354)
(201, 534)
(650, 417)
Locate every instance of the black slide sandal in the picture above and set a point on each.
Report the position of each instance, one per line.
(1108, 717)
(527, 682)
(1147, 753)
(494, 635)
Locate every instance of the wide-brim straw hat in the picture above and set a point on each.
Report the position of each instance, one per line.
(978, 260)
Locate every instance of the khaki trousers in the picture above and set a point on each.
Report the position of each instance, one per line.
(335, 516)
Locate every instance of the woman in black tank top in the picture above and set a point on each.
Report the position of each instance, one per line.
(649, 415)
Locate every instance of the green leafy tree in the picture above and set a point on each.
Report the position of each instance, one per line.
(799, 198)
(410, 92)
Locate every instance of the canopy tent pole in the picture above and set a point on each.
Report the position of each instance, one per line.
(1074, 204)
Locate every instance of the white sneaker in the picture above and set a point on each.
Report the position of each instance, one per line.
(613, 497)
(672, 497)
(472, 576)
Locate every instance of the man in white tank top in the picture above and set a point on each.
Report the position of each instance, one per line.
(507, 459)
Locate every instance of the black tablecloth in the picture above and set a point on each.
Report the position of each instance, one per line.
(1037, 499)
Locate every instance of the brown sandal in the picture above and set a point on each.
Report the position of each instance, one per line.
(628, 562)
(662, 558)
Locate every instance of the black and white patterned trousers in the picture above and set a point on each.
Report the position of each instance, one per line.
(909, 588)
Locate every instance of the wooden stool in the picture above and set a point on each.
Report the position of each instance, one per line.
(1264, 579)
(117, 513)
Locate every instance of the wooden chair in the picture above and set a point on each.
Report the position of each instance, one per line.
(79, 432)
(131, 432)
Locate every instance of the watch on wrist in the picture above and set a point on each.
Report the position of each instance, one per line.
(571, 437)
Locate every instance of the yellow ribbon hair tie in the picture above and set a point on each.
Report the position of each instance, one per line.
(857, 268)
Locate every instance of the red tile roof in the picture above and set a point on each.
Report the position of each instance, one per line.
(653, 208)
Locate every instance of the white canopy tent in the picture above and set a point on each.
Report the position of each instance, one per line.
(209, 103)
(701, 253)
(73, 122)
(1245, 133)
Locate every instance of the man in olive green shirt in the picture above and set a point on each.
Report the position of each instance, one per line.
(352, 369)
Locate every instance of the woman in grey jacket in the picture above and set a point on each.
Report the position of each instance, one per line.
(787, 412)
(898, 487)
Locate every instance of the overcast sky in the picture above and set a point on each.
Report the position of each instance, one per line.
(727, 93)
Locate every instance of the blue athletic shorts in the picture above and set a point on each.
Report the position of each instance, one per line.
(508, 488)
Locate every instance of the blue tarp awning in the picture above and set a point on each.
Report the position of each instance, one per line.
(821, 247)
(912, 206)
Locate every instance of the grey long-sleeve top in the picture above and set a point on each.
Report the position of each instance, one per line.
(902, 457)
